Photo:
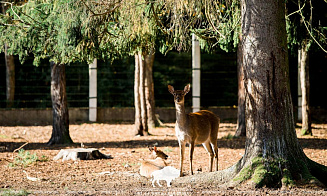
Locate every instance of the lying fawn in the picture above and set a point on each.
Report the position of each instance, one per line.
(195, 128)
(149, 166)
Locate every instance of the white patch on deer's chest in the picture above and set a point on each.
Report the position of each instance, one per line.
(181, 134)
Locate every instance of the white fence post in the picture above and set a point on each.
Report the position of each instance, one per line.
(196, 73)
(93, 91)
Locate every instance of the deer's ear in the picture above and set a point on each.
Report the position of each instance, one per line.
(187, 89)
(171, 89)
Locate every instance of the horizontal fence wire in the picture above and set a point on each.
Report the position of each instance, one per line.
(116, 81)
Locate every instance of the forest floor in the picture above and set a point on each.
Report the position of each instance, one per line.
(122, 172)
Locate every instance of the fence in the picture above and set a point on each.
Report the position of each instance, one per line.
(115, 81)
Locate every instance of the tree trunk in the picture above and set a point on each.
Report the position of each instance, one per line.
(10, 72)
(144, 113)
(149, 89)
(141, 126)
(240, 129)
(273, 156)
(137, 104)
(10, 78)
(60, 126)
(305, 88)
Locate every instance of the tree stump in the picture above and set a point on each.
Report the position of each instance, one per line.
(80, 154)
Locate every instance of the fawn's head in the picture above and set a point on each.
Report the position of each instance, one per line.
(157, 153)
(179, 94)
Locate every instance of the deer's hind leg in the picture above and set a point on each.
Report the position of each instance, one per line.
(213, 142)
(215, 149)
(208, 148)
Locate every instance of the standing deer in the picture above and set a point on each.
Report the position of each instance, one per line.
(195, 128)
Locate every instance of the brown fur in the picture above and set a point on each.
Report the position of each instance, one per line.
(195, 128)
(151, 165)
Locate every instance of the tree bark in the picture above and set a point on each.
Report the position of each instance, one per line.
(273, 156)
(10, 78)
(141, 122)
(149, 89)
(10, 72)
(144, 113)
(305, 88)
(137, 104)
(60, 126)
(272, 150)
(240, 129)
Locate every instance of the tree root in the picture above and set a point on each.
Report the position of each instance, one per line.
(260, 173)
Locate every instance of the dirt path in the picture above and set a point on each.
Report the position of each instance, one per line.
(122, 178)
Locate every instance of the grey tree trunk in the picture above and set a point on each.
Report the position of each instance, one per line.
(240, 129)
(305, 89)
(60, 125)
(149, 89)
(10, 78)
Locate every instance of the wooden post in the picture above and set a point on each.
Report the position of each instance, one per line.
(93, 91)
(196, 73)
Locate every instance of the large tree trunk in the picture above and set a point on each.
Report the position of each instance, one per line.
(305, 88)
(60, 126)
(10, 78)
(141, 126)
(149, 89)
(273, 156)
(240, 129)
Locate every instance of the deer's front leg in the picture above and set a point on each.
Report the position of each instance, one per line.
(181, 156)
(191, 155)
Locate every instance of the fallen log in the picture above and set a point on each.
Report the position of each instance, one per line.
(80, 154)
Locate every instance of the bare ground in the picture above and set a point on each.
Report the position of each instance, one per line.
(127, 150)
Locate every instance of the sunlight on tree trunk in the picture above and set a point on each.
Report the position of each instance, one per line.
(141, 122)
(142, 95)
(305, 88)
(137, 104)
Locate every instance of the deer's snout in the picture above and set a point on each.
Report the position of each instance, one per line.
(178, 99)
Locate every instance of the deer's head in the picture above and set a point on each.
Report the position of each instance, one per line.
(157, 153)
(179, 94)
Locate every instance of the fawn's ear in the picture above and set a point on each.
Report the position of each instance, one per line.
(171, 89)
(187, 89)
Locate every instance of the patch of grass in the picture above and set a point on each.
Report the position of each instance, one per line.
(7, 192)
(229, 137)
(3, 136)
(25, 158)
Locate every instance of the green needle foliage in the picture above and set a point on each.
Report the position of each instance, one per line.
(63, 31)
